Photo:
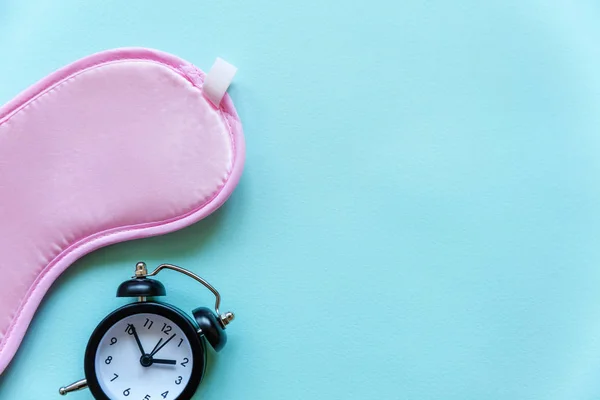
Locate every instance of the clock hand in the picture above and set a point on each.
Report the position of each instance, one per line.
(160, 361)
(163, 345)
(157, 344)
(137, 338)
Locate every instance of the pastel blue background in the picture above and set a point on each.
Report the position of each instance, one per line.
(419, 214)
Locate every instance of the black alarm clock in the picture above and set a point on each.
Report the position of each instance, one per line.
(148, 350)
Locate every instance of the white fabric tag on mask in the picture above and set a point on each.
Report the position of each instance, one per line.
(218, 80)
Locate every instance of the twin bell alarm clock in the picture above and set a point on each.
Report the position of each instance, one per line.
(148, 350)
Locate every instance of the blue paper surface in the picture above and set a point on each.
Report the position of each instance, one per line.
(419, 215)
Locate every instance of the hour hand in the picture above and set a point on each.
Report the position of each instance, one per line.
(160, 361)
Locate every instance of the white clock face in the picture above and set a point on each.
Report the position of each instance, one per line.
(124, 373)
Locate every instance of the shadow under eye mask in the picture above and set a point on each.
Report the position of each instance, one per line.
(120, 145)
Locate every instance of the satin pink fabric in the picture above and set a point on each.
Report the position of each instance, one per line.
(117, 146)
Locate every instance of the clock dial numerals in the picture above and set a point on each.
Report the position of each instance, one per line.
(125, 373)
(166, 328)
(148, 324)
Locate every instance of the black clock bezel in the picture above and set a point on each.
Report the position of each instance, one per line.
(165, 310)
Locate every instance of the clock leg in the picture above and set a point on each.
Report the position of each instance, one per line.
(82, 384)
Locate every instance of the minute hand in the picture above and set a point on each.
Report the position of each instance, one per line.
(137, 339)
(163, 345)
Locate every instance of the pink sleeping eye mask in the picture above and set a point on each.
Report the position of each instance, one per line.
(120, 145)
